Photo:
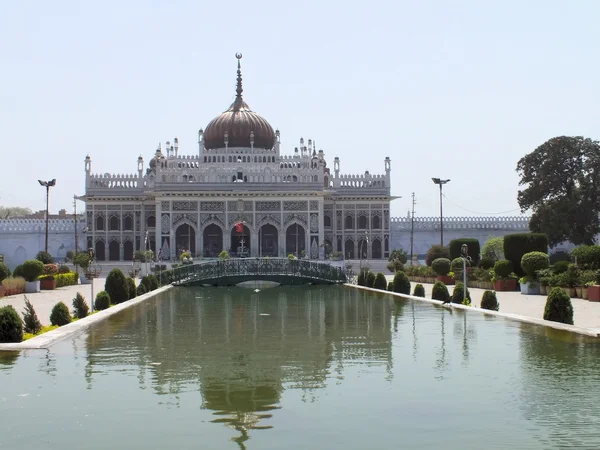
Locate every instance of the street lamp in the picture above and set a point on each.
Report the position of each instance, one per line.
(464, 254)
(48, 185)
(441, 182)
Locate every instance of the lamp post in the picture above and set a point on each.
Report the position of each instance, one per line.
(47, 185)
(464, 250)
(365, 240)
(441, 182)
(92, 258)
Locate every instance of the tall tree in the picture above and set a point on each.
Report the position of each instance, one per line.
(6, 212)
(562, 179)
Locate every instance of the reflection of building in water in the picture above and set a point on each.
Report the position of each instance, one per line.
(244, 349)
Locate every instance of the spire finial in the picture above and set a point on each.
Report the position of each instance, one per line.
(239, 90)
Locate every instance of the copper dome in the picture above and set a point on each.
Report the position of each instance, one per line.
(239, 122)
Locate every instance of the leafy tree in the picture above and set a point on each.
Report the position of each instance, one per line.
(398, 255)
(562, 179)
(493, 248)
(6, 212)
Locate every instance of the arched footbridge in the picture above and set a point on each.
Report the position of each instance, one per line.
(283, 271)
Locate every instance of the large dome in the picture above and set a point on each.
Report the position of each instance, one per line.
(240, 123)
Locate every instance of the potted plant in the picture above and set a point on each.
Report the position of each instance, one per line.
(83, 260)
(532, 263)
(594, 289)
(441, 266)
(4, 274)
(544, 276)
(504, 279)
(13, 285)
(572, 280)
(47, 280)
(32, 269)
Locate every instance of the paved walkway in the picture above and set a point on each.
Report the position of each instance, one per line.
(586, 314)
(44, 301)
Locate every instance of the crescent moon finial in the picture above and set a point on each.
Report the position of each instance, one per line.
(238, 55)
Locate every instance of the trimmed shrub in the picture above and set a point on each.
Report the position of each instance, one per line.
(80, 307)
(474, 250)
(489, 301)
(370, 279)
(140, 290)
(11, 327)
(441, 266)
(516, 245)
(147, 283)
(139, 256)
(457, 265)
(116, 286)
(401, 283)
(153, 282)
(63, 268)
(436, 252)
(18, 272)
(486, 263)
(587, 256)
(533, 261)
(66, 279)
(458, 294)
(102, 301)
(132, 288)
(4, 272)
(60, 315)
(380, 281)
(503, 268)
(561, 267)
(440, 292)
(390, 286)
(32, 269)
(419, 291)
(398, 254)
(362, 278)
(44, 258)
(558, 307)
(31, 323)
(394, 266)
(224, 254)
(70, 255)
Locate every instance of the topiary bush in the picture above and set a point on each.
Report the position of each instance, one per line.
(32, 269)
(60, 315)
(18, 272)
(457, 265)
(11, 327)
(441, 266)
(147, 283)
(533, 261)
(489, 301)
(503, 269)
(31, 323)
(516, 245)
(587, 256)
(140, 290)
(153, 282)
(419, 291)
(63, 268)
(116, 286)
(370, 279)
(455, 248)
(102, 301)
(560, 267)
(401, 283)
(558, 307)
(458, 294)
(380, 281)
(4, 272)
(436, 252)
(132, 288)
(440, 292)
(44, 258)
(486, 263)
(390, 286)
(80, 307)
(394, 266)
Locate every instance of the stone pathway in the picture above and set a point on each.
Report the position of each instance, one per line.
(44, 301)
(586, 314)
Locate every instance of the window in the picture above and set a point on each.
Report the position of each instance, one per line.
(99, 223)
(128, 223)
(327, 221)
(114, 223)
(151, 222)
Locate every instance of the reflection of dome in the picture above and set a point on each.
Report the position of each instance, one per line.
(239, 124)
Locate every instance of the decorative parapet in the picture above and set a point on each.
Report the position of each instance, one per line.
(516, 223)
(39, 225)
(114, 181)
(362, 181)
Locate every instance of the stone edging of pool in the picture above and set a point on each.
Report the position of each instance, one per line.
(51, 337)
(526, 319)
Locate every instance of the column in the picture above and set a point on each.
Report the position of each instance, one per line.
(158, 229)
(321, 230)
(142, 230)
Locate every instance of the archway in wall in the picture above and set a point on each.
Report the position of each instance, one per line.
(20, 255)
(240, 240)
(128, 251)
(268, 240)
(327, 248)
(113, 251)
(100, 250)
(185, 239)
(295, 240)
(376, 249)
(363, 249)
(212, 238)
(349, 249)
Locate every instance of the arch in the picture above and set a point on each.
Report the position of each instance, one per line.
(376, 249)
(151, 221)
(240, 240)
(113, 251)
(100, 250)
(128, 223)
(128, 251)
(212, 239)
(327, 220)
(185, 239)
(268, 240)
(99, 223)
(295, 240)
(376, 222)
(349, 222)
(349, 249)
(362, 222)
(20, 255)
(363, 249)
(113, 223)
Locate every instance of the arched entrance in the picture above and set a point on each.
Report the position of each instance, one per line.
(376, 249)
(349, 249)
(240, 240)
(268, 240)
(212, 239)
(100, 251)
(128, 251)
(185, 239)
(113, 251)
(295, 242)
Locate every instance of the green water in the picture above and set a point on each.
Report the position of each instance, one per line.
(302, 368)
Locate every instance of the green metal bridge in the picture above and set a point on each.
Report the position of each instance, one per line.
(284, 271)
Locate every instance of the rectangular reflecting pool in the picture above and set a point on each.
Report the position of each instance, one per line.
(302, 368)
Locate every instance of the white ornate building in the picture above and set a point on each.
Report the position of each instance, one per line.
(238, 192)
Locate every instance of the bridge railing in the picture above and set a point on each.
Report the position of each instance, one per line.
(251, 267)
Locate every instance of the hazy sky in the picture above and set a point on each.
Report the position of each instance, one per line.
(459, 89)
